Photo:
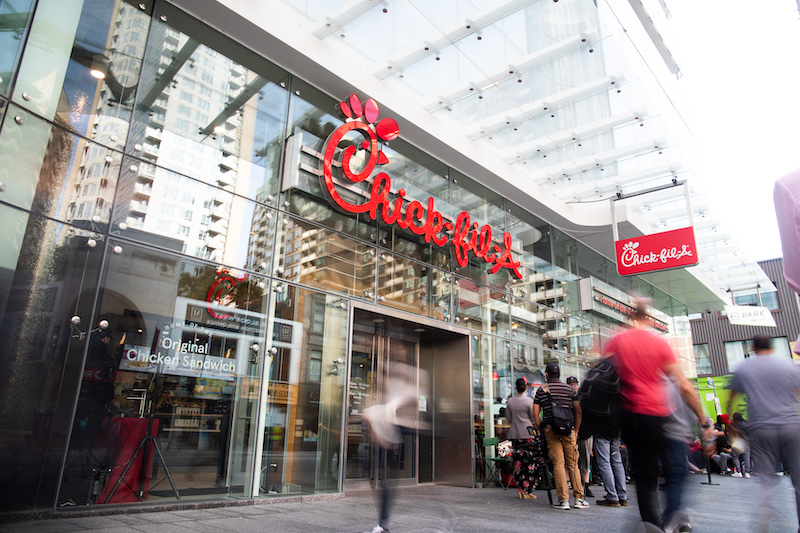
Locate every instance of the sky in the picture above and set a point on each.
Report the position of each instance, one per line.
(739, 91)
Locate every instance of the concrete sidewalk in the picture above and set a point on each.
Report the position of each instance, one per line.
(724, 508)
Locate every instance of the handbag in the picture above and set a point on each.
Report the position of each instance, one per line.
(504, 448)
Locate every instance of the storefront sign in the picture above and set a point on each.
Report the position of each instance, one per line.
(628, 311)
(221, 292)
(660, 251)
(177, 358)
(750, 315)
(466, 237)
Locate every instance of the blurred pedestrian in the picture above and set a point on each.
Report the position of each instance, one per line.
(390, 422)
(642, 359)
(771, 384)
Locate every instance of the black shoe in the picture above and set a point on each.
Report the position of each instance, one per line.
(588, 493)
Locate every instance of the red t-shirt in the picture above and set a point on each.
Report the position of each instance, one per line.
(640, 357)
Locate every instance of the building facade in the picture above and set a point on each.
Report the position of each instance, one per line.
(720, 346)
(216, 248)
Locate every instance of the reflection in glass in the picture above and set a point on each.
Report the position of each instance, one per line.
(14, 19)
(413, 287)
(47, 286)
(169, 382)
(62, 175)
(322, 258)
(303, 409)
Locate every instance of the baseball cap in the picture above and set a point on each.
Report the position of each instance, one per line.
(552, 369)
(572, 379)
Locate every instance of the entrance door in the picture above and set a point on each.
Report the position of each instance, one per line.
(378, 343)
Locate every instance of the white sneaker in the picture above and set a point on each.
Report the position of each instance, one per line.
(747, 475)
(379, 529)
(561, 505)
(736, 474)
(581, 504)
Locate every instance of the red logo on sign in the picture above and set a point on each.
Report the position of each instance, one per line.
(660, 251)
(467, 237)
(222, 292)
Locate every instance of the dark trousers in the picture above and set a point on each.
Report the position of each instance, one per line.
(386, 489)
(649, 449)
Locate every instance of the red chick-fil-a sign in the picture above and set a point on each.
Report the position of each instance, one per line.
(660, 251)
(464, 235)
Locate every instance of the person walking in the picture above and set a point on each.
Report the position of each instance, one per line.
(642, 360)
(771, 384)
(389, 424)
(519, 411)
(561, 446)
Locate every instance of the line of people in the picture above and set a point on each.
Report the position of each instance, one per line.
(656, 438)
(658, 406)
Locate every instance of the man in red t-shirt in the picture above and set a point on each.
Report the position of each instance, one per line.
(644, 361)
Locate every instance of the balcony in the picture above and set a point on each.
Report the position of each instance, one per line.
(153, 134)
(220, 211)
(218, 228)
(216, 243)
(150, 151)
(135, 222)
(227, 178)
(138, 207)
(147, 172)
(142, 190)
(229, 162)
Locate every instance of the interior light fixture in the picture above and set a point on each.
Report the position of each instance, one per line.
(99, 67)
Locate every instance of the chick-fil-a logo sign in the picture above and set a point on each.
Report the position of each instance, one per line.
(464, 235)
(660, 251)
(222, 292)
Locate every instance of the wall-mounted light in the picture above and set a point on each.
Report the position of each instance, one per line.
(78, 334)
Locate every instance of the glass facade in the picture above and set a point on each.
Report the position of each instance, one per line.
(177, 289)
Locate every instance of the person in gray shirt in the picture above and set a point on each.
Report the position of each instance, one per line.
(519, 411)
(772, 387)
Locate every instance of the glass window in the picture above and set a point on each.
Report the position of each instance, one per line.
(780, 346)
(179, 359)
(735, 352)
(62, 176)
(310, 126)
(303, 411)
(771, 300)
(322, 258)
(702, 359)
(413, 287)
(480, 307)
(227, 133)
(78, 77)
(154, 205)
(16, 17)
(47, 285)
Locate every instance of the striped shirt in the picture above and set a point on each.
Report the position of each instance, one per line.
(560, 392)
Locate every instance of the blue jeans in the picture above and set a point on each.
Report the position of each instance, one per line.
(609, 462)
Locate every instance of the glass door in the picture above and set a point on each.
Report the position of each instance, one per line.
(379, 344)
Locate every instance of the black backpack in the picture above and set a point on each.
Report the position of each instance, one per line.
(561, 419)
(600, 401)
